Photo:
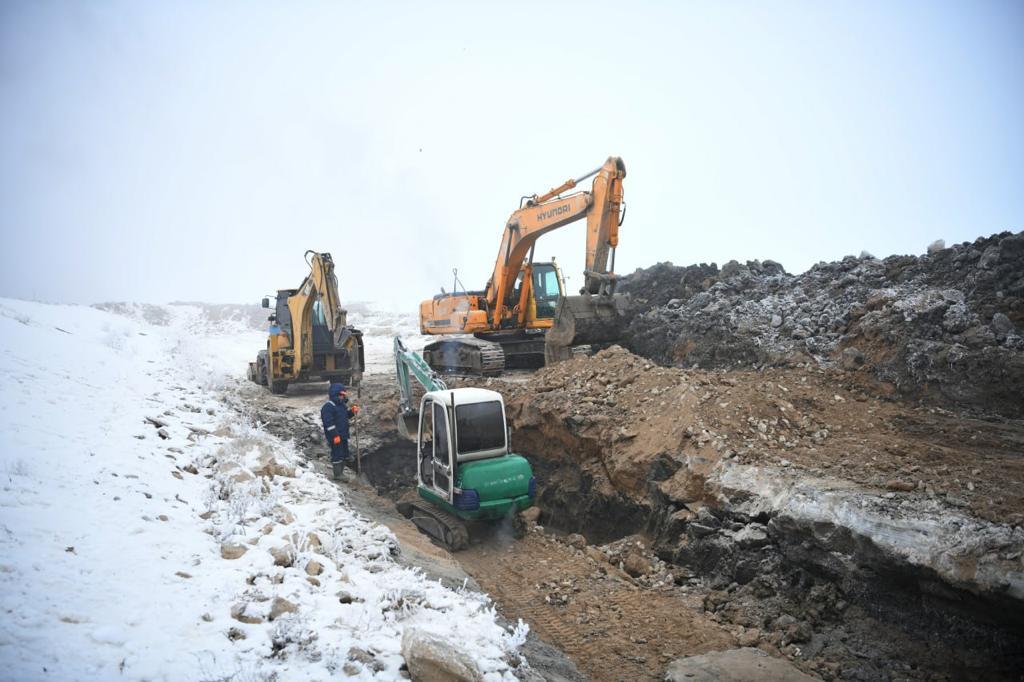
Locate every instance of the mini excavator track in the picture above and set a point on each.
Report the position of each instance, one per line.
(446, 528)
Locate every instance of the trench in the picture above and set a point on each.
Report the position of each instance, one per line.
(874, 621)
(897, 618)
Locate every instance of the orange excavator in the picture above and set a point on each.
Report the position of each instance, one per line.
(523, 318)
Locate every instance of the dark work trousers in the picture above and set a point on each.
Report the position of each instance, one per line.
(339, 453)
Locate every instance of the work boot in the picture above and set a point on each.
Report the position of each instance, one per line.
(337, 468)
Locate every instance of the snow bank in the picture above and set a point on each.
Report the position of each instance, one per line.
(192, 545)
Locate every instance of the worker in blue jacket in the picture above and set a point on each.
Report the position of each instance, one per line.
(335, 415)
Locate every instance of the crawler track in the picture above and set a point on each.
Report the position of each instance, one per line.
(446, 528)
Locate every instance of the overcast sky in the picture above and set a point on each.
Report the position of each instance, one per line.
(181, 151)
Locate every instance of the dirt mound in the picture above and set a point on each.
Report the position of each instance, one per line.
(948, 325)
(649, 434)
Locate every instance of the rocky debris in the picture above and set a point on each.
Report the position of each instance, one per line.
(431, 658)
(786, 571)
(687, 422)
(231, 550)
(314, 567)
(945, 325)
(734, 665)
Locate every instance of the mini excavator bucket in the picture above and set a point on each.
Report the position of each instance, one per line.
(583, 320)
(408, 425)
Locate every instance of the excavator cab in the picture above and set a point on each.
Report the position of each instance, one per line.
(547, 289)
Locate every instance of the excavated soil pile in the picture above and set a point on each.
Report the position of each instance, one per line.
(825, 520)
(648, 435)
(948, 325)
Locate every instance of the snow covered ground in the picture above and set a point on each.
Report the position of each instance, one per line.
(200, 550)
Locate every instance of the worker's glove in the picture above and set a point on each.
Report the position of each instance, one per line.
(337, 440)
(355, 409)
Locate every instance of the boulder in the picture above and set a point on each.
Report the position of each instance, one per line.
(637, 565)
(281, 606)
(530, 515)
(432, 658)
(576, 540)
(269, 467)
(1001, 325)
(750, 536)
(314, 567)
(238, 612)
(283, 555)
(852, 359)
(231, 550)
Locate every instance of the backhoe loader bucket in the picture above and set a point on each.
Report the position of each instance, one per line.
(408, 425)
(583, 320)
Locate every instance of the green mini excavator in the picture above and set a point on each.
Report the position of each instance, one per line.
(464, 469)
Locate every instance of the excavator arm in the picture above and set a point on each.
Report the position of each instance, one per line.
(320, 284)
(409, 366)
(544, 213)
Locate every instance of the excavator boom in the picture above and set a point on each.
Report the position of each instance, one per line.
(409, 366)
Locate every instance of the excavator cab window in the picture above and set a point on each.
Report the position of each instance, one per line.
(545, 289)
(319, 319)
(480, 427)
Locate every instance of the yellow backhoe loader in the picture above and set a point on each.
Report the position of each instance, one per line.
(309, 337)
(523, 317)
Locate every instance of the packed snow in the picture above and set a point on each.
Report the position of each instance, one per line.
(150, 532)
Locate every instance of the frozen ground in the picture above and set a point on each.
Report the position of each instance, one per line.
(117, 538)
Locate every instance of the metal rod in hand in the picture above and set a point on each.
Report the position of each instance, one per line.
(355, 431)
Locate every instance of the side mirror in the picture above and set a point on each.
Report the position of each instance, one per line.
(266, 302)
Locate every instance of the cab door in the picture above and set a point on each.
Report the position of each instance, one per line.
(425, 447)
(442, 462)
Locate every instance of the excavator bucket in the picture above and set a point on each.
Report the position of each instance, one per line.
(408, 425)
(583, 320)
